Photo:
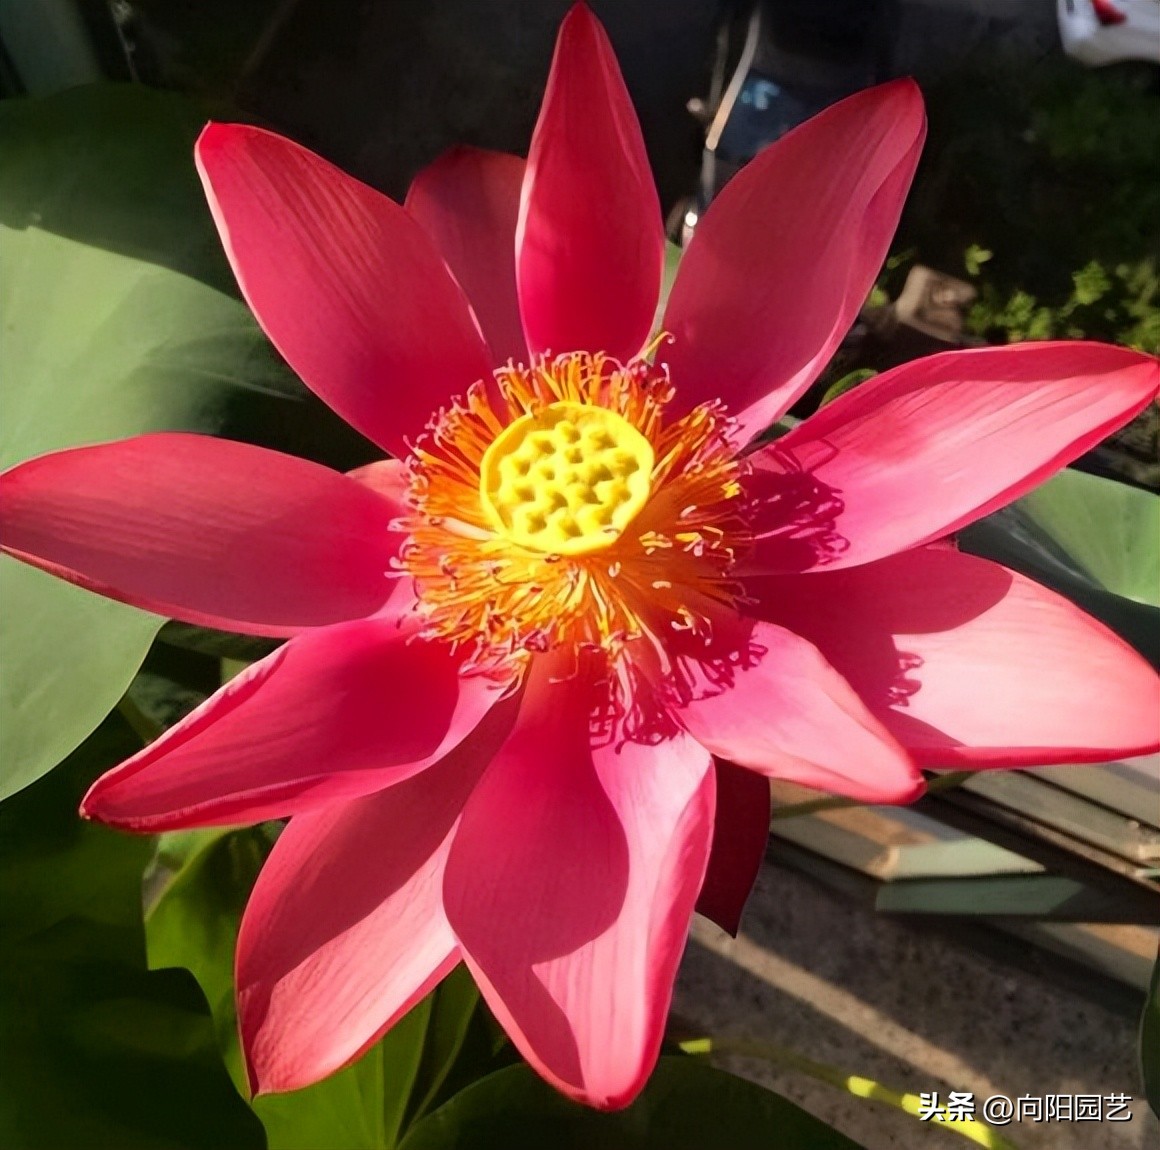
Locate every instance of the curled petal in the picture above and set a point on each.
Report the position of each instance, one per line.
(766, 699)
(391, 478)
(334, 714)
(468, 202)
(926, 448)
(590, 245)
(345, 931)
(740, 833)
(346, 284)
(971, 665)
(205, 530)
(571, 885)
(787, 254)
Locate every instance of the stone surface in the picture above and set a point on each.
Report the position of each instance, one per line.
(910, 1008)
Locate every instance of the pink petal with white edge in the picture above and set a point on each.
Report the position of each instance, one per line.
(740, 834)
(345, 929)
(766, 699)
(334, 714)
(468, 201)
(571, 885)
(205, 530)
(928, 447)
(971, 665)
(391, 478)
(346, 284)
(590, 244)
(787, 254)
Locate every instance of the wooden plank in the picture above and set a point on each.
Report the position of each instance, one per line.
(1070, 814)
(1131, 787)
(1040, 896)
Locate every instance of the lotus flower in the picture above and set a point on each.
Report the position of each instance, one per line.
(542, 664)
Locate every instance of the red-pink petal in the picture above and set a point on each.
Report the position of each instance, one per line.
(205, 530)
(345, 929)
(787, 253)
(767, 700)
(971, 665)
(468, 201)
(590, 244)
(740, 833)
(391, 478)
(334, 714)
(347, 286)
(570, 888)
(926, 448)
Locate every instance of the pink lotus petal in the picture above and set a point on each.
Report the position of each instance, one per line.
(590, 245)
(345, 929)
(206, 530)
(767, 700)
(347, 286)
(391, 478)
(468, 201)
(740, 833)
(334, 714)
(971, 665)
(926, 448)
(570, 888)
(787, 253)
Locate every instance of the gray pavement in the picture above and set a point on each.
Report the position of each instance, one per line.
(910, 1008)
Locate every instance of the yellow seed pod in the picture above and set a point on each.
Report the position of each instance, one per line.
(566, 479)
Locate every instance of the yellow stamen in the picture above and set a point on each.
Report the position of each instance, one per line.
(565, 511)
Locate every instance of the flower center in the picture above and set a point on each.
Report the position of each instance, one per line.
(555, 506)
(566, 479)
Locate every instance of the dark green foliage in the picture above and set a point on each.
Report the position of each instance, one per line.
(98, 1052)
(687, 1105)
(1042, 182)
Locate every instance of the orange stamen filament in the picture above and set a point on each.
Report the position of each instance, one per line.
(503, 590)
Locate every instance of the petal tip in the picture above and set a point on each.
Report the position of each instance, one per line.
(618, 1099)
(206, 136)
(89, 807)
(906, 793)
(906, 89)
(730, 924)
(213, 137)
(906, 97)
(579, 15)
(258, 1080)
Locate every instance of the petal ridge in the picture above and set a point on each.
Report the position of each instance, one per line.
(333, 714)
(468, 201)
(346, 284)
(971, 665)
(211, 531)
(345, 929)
(596, 890)
(928, 447)
(787, 254)
(589, 241)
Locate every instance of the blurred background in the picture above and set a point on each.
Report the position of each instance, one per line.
(1038, 196)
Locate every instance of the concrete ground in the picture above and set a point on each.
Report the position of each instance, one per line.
(910, 1008)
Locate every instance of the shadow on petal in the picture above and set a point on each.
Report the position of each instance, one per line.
(793, 514)
(875, 656)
